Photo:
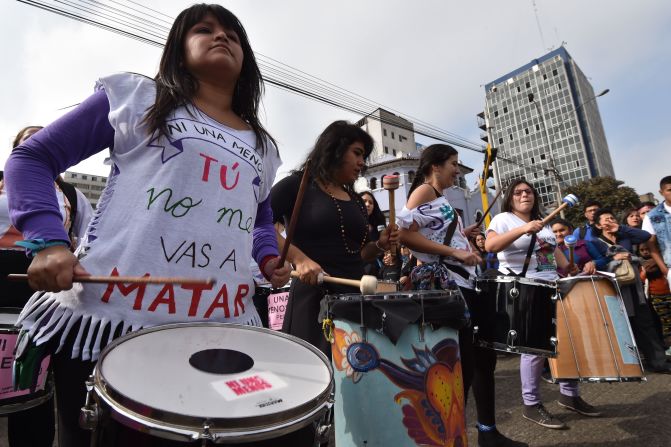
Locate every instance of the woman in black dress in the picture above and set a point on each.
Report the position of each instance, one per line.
(331, 235)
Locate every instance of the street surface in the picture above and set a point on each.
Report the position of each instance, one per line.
(634, 414)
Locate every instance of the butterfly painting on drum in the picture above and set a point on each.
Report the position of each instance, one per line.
(432, 392)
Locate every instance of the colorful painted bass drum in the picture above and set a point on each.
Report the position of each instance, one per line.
(397, 368)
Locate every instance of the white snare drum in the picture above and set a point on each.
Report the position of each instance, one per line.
(12, 401)
(210, 381)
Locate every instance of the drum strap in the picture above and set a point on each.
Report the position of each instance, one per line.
(527, 260)
(448, 238)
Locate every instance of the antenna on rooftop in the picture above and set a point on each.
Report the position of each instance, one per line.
(538, 23)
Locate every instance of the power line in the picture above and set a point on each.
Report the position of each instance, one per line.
(127, 22)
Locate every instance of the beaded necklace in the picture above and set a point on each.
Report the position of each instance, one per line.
(342, 223)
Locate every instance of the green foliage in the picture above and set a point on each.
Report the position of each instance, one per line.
(610, 192)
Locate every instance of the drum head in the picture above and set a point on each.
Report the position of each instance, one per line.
(235, 377)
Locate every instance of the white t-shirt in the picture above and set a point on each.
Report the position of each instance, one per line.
(542, 264)
(433, 219)
(181, 205)
(647, 225)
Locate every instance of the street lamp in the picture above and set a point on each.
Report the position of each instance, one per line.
(552, 168)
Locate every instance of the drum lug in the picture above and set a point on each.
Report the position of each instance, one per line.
(206, 435)
(514, 293)
(89, 415)
(512, 335)
(554, 297)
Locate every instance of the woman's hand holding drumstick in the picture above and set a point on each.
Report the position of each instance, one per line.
(53, 269)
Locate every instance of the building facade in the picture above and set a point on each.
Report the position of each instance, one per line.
(90, 185)
(544, 120)
(397, 153)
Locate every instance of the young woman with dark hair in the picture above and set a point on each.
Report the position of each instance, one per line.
(188, 195)
(375, 220)
(424, 223)
(509, 235)
(332, 232)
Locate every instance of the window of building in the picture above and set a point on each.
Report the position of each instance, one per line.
(511, 137)
(85, 177)
(532, 160)
(538, 127)
(496, 113)
(500, 140)
(393, 152)
(528, 84)
(392, 135)
(577, 163)
(505, 110)
(526, 131)
(518, 89)
(542, 156)
(373, 183)
(94, 178)
(411, 176)
(545, 76)
(386, 150)
(74, 175)
(554, 72)
(384, 132)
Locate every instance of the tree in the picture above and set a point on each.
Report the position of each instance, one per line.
(611, 193)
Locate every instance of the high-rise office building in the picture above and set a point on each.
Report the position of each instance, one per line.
(91, 185)
(544, 120)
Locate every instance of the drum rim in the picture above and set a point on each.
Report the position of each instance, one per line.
(381, 295)
(190, 426)
(586, 278)
(519, 279)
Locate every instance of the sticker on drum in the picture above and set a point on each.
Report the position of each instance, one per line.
(277, 307)
(10, 400)
(221, 382)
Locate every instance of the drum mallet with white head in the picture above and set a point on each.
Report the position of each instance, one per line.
(367, 284)
(391, 183)
(570, 241)
(567, 202)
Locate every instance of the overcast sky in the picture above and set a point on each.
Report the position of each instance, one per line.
(427, 59)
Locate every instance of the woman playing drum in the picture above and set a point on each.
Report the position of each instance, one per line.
(332, 232)
(192, 168)
(424, 222)
(509, 235)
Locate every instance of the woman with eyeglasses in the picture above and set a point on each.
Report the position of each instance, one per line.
(509, 235)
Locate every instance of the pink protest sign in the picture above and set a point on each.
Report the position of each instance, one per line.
(7, 344)
(277, 306)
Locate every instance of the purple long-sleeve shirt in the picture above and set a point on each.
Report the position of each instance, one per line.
(32, 167)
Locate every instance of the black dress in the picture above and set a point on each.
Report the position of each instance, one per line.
(318, 234)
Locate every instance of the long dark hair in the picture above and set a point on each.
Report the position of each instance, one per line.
(508, 198)
(376, 218)
(330, 148)
(176, 87)
(22, 132)
(433, 155)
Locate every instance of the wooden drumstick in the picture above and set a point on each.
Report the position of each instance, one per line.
(570, 241)
(568, 201)
(127, 279)
(367, 284)
(391, 184)
(294, 214)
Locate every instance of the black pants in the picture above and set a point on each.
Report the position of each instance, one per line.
(647, 336)
(478, 364)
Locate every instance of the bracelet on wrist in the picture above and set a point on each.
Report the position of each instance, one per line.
(34, 246)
